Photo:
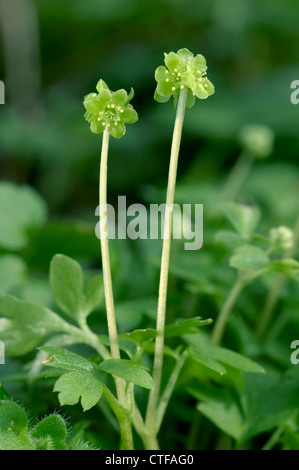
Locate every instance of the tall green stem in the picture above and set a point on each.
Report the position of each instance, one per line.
(274, 294)
(112, 329)
(237, 176)
(221, 321)
(161, 312)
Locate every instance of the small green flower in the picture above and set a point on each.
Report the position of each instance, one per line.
(108, 109)
(183, 70)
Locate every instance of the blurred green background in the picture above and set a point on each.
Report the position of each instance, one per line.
(53, 52)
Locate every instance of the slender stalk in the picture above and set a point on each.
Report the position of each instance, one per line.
(237, 176)
(161, 312)
(169, 390)
(274, 294)
(272, 441)
(269, 306)
(221, 321)
(112, 329)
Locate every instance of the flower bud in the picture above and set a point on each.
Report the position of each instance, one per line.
(281, 238)
(257, 140)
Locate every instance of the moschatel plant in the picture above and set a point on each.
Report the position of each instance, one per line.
(119, 363)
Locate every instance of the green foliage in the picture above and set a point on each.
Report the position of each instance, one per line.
(128, 370)
(44, 143)
(25, 325)
(81, 380)
(249, 258)
(16, 433)
(243, 218)
(21, 211)
(217, 358)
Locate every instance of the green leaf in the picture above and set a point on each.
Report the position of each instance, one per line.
(214, 357)
(249, 257)
(141, 336)
(22, 210)
(270, 403)
(222, 408)
(243, 218)
(128, 370)
(288, 266)
(66, 280)
(51, 429)
(186, 327)
(77, 384)
(94, 294)
(4, 395)
(13, 427)
(26, 325)
(12, 272)
(64, 359)
(200, 356)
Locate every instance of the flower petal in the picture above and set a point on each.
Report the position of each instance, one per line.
(200, 63)
(200, 92)
(91, 104)
(209, 87)
(172, 60)
(117, 131)
(185, 56)
(101, 85)
(160, 73)
(95, 127)
(161, 99)
(164, 88)
(104, 97)
(120, 97)
(190, 99)
(129, 115)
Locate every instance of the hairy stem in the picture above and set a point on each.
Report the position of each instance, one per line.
(169, 390)
(123, 418)
(112, 329)
(237, 176)
(221, 321)
(161, 312)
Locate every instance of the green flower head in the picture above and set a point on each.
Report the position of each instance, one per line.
(108, 109)
(183, 70)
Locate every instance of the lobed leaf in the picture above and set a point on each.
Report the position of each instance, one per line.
(128, 370)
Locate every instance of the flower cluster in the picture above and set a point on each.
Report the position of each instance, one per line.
(109, 110)
(183, 70)
(281, 238)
